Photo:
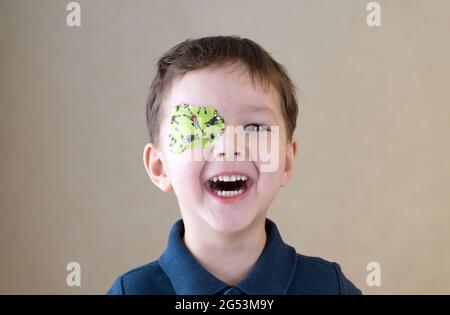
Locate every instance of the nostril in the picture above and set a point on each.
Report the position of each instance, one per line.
(222, 154)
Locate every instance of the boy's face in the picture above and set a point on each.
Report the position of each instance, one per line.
(230, 91)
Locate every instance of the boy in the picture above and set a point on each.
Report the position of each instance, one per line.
(224, 244)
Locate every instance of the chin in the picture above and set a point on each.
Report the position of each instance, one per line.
(230, 224)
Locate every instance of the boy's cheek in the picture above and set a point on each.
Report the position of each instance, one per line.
(183, 169)
(269, 184)
(191, 158)
(269, 153)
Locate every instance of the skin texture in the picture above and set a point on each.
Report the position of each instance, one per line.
(226, 238)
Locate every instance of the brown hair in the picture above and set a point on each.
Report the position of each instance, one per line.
(217, 51)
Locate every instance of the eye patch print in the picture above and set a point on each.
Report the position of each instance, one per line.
(194, 127)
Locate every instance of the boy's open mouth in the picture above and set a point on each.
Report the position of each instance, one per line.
(228, 185)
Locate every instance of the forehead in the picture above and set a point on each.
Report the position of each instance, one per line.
(227, 88)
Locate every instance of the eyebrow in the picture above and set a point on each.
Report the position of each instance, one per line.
(257, 108)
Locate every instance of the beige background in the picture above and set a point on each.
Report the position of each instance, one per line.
(372, 177)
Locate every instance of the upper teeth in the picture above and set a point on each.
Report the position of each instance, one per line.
(231, 178)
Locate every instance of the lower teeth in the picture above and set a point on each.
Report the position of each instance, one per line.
(228, 193)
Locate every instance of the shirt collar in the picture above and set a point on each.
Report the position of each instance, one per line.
(271, 274)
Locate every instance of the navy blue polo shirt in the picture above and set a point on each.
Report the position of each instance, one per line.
(279, 270)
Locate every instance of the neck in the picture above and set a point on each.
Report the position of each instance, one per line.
(228, 256)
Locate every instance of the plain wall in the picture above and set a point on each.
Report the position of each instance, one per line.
(371, 179)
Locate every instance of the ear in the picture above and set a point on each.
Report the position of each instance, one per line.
(291, 153)
(156, 168)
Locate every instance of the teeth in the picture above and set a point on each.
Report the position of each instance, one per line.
(229, 193)
(231, 178)
(226, 178)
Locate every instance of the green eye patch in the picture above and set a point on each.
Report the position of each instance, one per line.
(194, 127)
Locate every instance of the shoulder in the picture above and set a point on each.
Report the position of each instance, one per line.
(146, 279)
(315, 275)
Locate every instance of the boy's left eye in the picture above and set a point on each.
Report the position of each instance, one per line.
(255, 127)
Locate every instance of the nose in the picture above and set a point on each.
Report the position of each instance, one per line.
(230, 145)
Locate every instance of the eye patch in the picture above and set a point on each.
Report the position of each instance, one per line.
(194, 127)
